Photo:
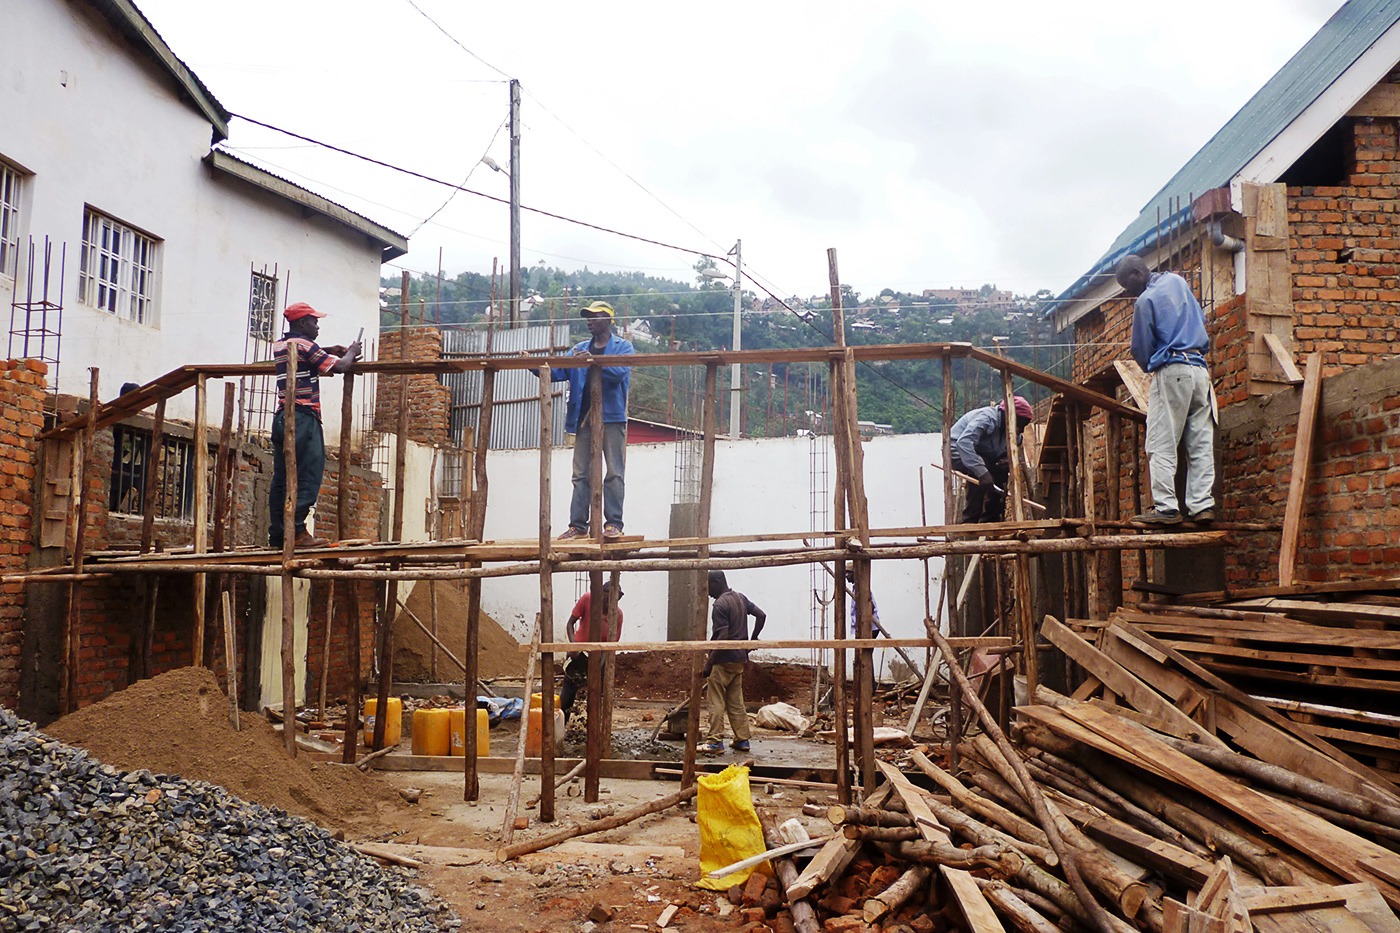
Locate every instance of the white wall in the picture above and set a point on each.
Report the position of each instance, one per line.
(760, 486)
(98, 126)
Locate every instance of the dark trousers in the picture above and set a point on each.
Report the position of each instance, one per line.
(311, 466)
(575, 678)
(984, 506)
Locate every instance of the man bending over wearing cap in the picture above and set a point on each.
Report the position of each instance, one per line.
(313, 362)
(616, 380)
(978, 440)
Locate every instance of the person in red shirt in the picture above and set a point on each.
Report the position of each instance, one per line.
(577, 628)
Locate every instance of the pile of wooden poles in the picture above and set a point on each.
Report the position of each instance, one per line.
(1111, 812)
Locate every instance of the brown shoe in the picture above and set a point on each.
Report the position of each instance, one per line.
(306, 541)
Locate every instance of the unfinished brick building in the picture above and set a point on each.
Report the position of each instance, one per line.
(1285, 223)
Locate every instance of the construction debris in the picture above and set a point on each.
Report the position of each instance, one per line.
(86, 846)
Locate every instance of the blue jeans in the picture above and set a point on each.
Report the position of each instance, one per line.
(615, 460)
(311, 466)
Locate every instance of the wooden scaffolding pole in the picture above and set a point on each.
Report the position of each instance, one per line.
(546, 598)
(949, 486)
(593, 746)
(1016, 494)
(72, 633)
(223, 458)
(350, 588)
(840, 713)
(201, 511)
(1302, 457)
(155, 458)
(702, 601)
(289, 507)
(1113, 488)
(391, 603)
(471, 783)
(1086, 484)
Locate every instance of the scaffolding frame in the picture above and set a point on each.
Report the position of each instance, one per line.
(849, 541)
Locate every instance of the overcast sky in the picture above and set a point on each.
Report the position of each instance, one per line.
(933, 144)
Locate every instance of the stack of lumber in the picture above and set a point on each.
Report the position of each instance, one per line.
(1159, 797)
(1330, 662)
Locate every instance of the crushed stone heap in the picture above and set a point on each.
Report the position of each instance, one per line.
(84, 846)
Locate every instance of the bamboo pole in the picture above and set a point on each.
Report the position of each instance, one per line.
(201, 512)
(471, 782)
(230, 660)
(72, 633)
(289, 505)
(622, 818)
(702, 603)
(342, 531)
(1015, 494)
(547, 766)
(593, 746)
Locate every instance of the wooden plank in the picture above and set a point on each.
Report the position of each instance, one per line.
(975, 910)
(1117, 678)
(1345, 613)
(1302, 459)
(1349, 855)
(988, 641)
(833, 857)
(1383, 100)
(1284, 358)
(1135, 381)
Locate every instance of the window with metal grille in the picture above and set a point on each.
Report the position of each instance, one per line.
(118, 269)
(10, 180)
(131, 449)
(262, 306)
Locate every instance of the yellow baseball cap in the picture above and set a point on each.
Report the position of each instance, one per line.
(597, 307)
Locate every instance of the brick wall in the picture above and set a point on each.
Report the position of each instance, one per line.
(1351, 512)
(429, 401)
(21, 419)
(1342, 242)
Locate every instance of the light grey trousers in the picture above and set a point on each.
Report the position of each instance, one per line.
(1179, 410)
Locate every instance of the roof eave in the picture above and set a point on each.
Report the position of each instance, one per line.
(392, 244)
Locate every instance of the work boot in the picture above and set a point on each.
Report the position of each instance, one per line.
(1158, 517)
(306, 541)
(1204, 516)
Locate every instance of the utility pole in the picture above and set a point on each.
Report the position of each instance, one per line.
(736, 386)
(514, 202)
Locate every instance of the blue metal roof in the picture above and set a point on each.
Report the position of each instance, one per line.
(1327, 55)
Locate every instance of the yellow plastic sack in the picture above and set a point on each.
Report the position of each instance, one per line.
(729, 827)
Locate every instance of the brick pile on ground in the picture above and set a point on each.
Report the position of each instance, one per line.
(85, 846)
(177, 723)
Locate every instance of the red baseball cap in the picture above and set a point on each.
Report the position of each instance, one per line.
(300, 310)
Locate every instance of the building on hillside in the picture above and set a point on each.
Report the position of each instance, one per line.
(1285, 224)
(166, 249)
(969, 299)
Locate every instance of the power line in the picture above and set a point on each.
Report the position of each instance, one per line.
(454, 41)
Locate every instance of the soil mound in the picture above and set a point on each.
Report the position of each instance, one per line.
(177, 724)
(499, 655)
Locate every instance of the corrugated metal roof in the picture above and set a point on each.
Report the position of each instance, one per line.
(1326, 56)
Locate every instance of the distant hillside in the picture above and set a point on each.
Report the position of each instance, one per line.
(664, 313)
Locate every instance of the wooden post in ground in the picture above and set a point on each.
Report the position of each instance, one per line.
(155, 458)
(702, 596)
(326, 649)
(546, 599)
(471, 783)
(391, 604)
(231, 660)
(518, 775)
(201, 512)
(289, 507)
(610, 633)
(1015, 494)
(949, 487)
(352, 602)
(1086, 481)
(840, 717)
(1113, 487)
(1138, 431)
(72, 633)
(1302, 457)
(846, 420)
(223, 457)
(593, 747)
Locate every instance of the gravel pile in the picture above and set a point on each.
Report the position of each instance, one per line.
(86, 847)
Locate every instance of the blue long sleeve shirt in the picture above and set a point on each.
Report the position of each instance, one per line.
(1168, 324)
(616, 381)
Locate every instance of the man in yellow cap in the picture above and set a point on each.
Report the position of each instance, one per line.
(616, 380)
(313, 362)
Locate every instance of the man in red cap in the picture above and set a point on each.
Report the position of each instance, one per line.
(313, 362)
(979, 449)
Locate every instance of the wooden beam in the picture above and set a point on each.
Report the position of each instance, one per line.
(342, 526)
(471, 782)
(547, 763)
(989, 641)
(1135, 381)
(1283, 358)
(708, 420)
(289, 505)
(201, 511)
(1309, 405)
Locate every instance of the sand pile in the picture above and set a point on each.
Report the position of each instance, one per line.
(178, 724)
(499, 656)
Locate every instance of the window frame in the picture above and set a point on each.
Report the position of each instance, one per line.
(12, 185)
(175, 485)
(118, 268)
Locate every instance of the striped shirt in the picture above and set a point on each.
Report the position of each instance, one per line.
(312, 364)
